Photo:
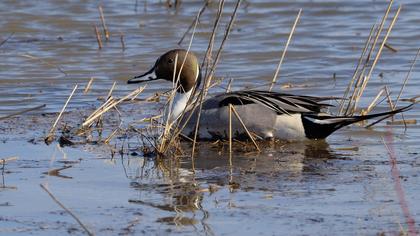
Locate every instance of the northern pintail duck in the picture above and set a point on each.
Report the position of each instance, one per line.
(266, 114)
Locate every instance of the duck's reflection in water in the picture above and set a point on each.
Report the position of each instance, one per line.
(185, 186)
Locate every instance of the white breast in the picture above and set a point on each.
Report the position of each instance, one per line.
(289, 127)
(178, 105)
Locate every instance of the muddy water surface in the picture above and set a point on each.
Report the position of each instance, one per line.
(347, 184)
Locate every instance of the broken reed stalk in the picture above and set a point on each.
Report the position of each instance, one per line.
(230, 128)
(406, 78)
(356, 70)
(168, 124)
(88, 85)
(122, 41)
(106, 32)
(98, 36)
(98, 112)
(228, 89)
(378, 55)
(9, 159)
(357, 93)
(7, 39)
(50, 135)
(45, 188)
(273, 82)
(22, 111)
(245, 128)
(360, 75)
(388, 96)
(197, 19)
(45, 62)
(392, 49)
(108, 139)
(209, 75)
(178, 128)
(373, 103)
(111, 90)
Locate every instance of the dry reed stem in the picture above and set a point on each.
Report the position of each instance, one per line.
(373, 103)
(388, 96)
(88, 85)
(8, 159)
(392, 49)
(209, 75)
(22, 111)
(355, 73)
(179, 129)
(98, 36)
(168, 124)
(230, 128)
(100, 108)
(111, 90)
(45, 188)
(108, 139)
(285, 50)
(381, 26)
(347, 149)
(56, 171)
(352, 102)
(228, 89)
(106, 32)
(45, 62)
(197, 19)
(402, 122)
(407, 78)
(52, 130)
(378, 54)
(7, 39)
(108, 107)
(244, 126)
(122, 41)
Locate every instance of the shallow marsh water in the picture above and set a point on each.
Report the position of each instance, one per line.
(299, 189)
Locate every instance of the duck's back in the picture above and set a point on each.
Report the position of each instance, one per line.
(265, 114)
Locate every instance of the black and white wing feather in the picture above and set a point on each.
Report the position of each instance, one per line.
(281, 103)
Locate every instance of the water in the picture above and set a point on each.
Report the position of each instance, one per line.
(315, 188)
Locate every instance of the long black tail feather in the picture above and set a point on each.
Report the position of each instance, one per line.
(321, 126)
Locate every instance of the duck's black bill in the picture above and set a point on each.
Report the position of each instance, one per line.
(146, 77)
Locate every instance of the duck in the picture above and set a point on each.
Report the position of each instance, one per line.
(266, 114)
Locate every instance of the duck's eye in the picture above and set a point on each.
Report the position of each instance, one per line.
(170, 61)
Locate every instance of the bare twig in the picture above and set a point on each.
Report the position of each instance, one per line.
(7, 39)
(9, 159)
(45, 188)
(209, 75)
(373, 103)
(228, 89)
(245, 128)
(23, 111)
(45, 62)
(356, 71)
(197, 19)
(88, 85)
(392, 49)
(106, 32)
(51, 133)
(406, 78)
(98, 36)
(122, 41)
(285, 50)
(366, 79)
(230, 128)
(111, 90)
(112, 104)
